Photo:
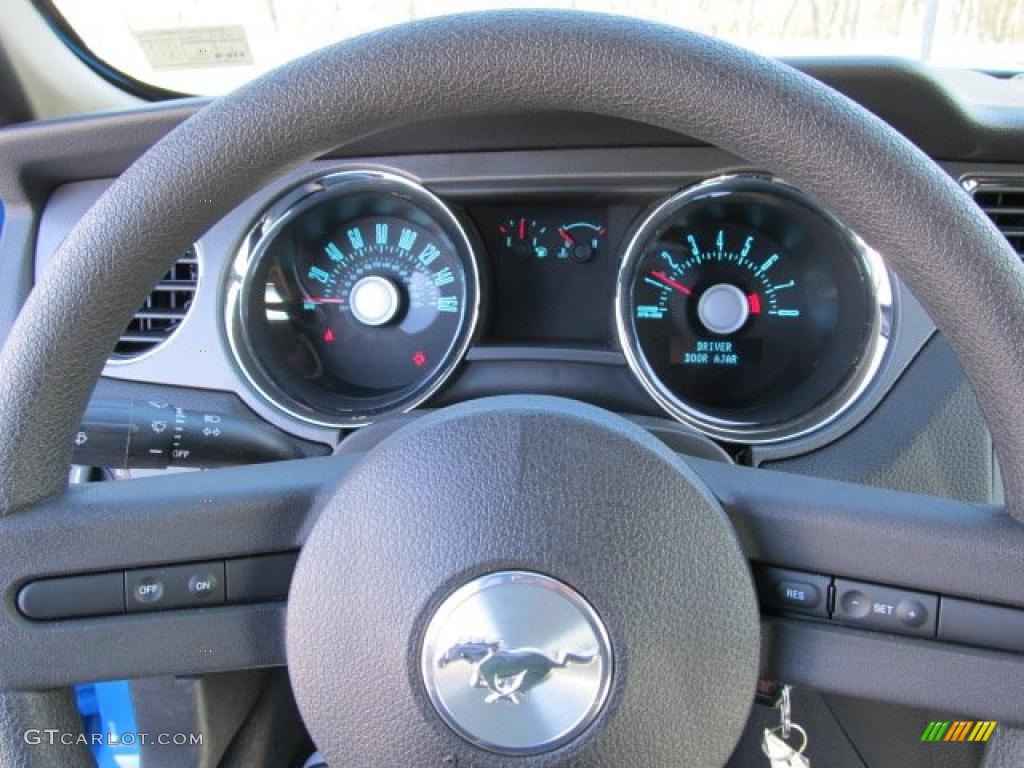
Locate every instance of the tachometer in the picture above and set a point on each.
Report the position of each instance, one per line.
(749, 312)
(357, 297)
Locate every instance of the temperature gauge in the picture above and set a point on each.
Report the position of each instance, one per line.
(579, 241)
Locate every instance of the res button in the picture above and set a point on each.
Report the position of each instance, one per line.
(798, 594)
(785, 591)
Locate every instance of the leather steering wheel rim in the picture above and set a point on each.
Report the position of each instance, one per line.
(877, 182)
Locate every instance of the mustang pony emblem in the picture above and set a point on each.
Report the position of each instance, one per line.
(508, 673)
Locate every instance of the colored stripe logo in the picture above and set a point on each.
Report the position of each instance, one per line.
(958, 730)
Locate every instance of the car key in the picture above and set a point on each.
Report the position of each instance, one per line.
(775, 744)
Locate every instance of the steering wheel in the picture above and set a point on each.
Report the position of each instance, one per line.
(658, 546)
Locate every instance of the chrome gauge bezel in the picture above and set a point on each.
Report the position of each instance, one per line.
(263, 233)
(869, 364)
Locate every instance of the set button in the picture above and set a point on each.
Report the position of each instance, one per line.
(844, 601)
(885, 608)
(854, 604)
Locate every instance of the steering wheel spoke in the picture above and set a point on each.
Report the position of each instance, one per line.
(110, 528)
(869, 533)
(903, 541)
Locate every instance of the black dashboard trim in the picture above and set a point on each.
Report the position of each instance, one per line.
(500, 352)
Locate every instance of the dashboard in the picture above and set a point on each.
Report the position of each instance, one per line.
(554, 234)
(718, 298)
(658, 278)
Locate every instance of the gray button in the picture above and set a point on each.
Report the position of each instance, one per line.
(148, 590)
(203, 585)
(788, 591)
(854, 604)
(799, 594)
(911, 613)
(176, 586)
(873, 606)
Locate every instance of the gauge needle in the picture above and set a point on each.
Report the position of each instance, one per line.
(566, 236)
(673, 283)
(314, 300)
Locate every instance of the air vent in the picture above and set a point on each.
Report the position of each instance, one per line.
(1003, 202)
(163, 311)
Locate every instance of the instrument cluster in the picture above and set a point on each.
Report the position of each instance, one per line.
(740, 306)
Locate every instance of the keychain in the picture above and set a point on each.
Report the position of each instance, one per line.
(776, 742)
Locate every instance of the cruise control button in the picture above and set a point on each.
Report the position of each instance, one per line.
(911, 613)
(203, 585)
(798, 594)
(873, 606)
(148, 590)
(786, 591)
(854, 604)
(176, 586)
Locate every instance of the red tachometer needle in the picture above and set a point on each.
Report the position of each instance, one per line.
(566, 236)
(669, 281)
(522, 229)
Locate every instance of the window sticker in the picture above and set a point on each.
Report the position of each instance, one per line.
(195, 47)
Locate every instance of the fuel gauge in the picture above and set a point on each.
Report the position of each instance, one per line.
(580, 241)
(524, 237)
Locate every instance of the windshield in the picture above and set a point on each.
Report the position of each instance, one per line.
(204, 47)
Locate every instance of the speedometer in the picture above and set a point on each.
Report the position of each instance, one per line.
(749, 312)
(356, 297)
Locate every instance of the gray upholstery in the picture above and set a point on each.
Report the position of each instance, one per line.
(24, 717)
(1006, 748)
(517, 61)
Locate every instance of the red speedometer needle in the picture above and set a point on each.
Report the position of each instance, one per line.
(566, 236)
(322, 300)
(669, 281)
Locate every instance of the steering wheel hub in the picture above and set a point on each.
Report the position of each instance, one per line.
(517, 662)
(437, 608)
